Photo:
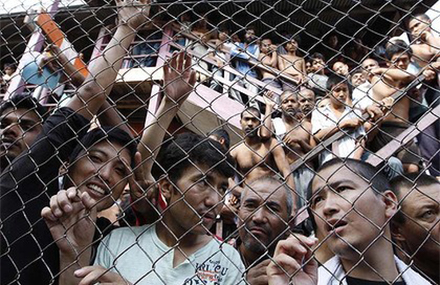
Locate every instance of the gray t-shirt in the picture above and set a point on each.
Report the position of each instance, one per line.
(141, 257)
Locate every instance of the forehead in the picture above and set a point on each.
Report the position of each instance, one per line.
(341, 85)
(307, 94)
(289, 96)
(419, 194)
(266, 41)
(20, 113)
(265, 191)
(338, 64)
(250, 115)
(111, 150)
(197, 169)
(400, 56)
(416, 20)
(336, 174)
(369, 62)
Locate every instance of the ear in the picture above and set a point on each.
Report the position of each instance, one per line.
(166, 188)
(222, 141)
(396, 233)
(391, 203)
(388, 63)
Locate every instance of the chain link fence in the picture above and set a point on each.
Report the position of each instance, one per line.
(219, 142)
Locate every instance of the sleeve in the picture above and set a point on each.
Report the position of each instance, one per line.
(236, 52)
(104, 257)
(35, 169)
(316, 121)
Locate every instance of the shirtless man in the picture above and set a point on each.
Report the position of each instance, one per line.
(294, 133)
(306, 100)
(425, 45)
(292, 64)
(386, 82)
(256, 156)
(269, 58)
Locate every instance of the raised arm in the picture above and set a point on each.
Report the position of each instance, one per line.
(102, 74)
(284, 167)
(179, 82)
(266, 131)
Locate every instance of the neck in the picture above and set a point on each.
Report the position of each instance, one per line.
(289, 119)
(248, 256)
(377, 263)
(171, 234)
(339, 108)
(252, 140)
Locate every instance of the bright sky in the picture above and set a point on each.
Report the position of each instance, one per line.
(11, 6)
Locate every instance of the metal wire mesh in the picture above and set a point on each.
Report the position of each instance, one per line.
(219, 142)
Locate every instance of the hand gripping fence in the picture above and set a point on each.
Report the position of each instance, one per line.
(219, 142)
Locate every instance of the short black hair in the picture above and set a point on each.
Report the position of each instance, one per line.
(335, 79)
(222, 133)
(397, 47)
(102, 134)
(190, 149)
(375, 177)
(24, 101)
(422, 16)
(296, 38)
(409, 181)
(317, 55)
(356, 71)
(251, 110)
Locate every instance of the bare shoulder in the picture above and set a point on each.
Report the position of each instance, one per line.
(235, 149)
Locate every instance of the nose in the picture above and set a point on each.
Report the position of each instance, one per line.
(259, 216)
(105, 173)
(213, 199)
(331, 206)
(13, 130)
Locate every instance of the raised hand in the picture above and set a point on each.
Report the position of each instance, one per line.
(293, 262)
(179, 79)
(99, 275)
(269, 99)
(133, 12)
(71, 220)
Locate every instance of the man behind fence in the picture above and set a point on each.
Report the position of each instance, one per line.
(416, 227)
(265, 207)
(351, 205)
(176, 249)
(28, 255)
(21, 119)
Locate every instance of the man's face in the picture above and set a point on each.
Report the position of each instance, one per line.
(292, 46)
(339, 94)
(265, 45)
(317, 65)
(250, 36)
(289, 104)
(309, 67)
(198, 199)
(417, 26)
(263, 215)
(369, 64)
(400, 61)
(8, 71)
(421, 228)
(340, 68)
(306, 101)
(250, 123)
(357, 79)
(102, 172)
(18, 130)
(346, 210)
(223, 36)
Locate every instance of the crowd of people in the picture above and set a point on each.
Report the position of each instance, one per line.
(335, 219)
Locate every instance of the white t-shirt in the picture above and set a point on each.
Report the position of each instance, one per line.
(323, 118)
(363, 96)
(141, 257)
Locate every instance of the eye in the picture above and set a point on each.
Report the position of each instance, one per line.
(120, 171)
(316, 200)
(95, 158)
(428, 214)
(341, 189)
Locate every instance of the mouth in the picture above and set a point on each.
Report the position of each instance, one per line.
(335, 225)
(96, 191)
(207, 217)
(258, 231)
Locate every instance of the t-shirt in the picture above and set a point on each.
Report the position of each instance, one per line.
(356, 281)
(363, 95)
(323, 118)
(26, 187)
(141, 257)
